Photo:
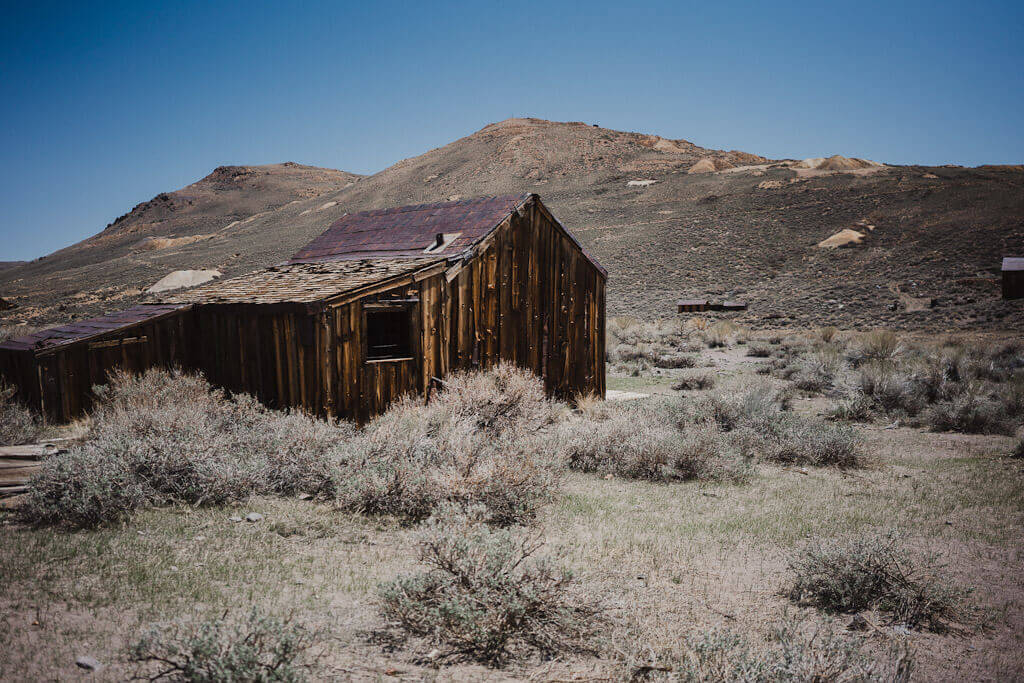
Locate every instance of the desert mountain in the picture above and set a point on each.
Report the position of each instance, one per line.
(668, 218)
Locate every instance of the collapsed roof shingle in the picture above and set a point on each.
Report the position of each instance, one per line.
(300, 282)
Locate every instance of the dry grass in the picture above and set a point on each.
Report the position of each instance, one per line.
(692, 573)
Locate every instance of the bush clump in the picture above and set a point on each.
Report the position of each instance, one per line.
(486, 438)
(167, 437)
(637, 442)
(760, 414)
(759, 350)
(695, 382)
(258, 648)
(875, 572)
(18, 424)
(485, 596)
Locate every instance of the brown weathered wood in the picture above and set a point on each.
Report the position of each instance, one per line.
(526, 293)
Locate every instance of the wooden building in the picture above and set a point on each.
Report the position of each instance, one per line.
(383, 303)
(1013, 278)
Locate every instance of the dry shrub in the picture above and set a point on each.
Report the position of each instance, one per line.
(639, 442)
(759, 350)
(877, 345)
(792, 652)
(485, 596)
(758, 405)
(818, 371)
(675, 361)
(760, 413)
(483, 439)
(695, 381)
(18, 424)
(827, 334)
(876, 572)
(800, 441)
(258, 648)
(718, 334)
(1018, 451)
(972, 412)
(167, 437)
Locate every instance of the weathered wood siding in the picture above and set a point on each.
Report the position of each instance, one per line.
(528, 295)
(58, 382)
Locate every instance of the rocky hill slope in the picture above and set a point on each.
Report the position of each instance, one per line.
(667, 218)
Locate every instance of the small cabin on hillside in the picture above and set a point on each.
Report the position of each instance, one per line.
(1013, 277)
(382, 304)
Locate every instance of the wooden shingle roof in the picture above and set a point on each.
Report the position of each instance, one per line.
(300, 282)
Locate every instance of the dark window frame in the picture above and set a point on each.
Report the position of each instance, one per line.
(396, 320)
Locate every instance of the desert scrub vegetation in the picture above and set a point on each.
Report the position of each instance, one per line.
(259, 647)
(759, 415)
(165, 438)
(695, 381)
(486, 438)
(18, 424)
(945, 387)
(711, 438)
(638, 441)
(791, 652)
(485, 594)
(635, 347)
(876, 572)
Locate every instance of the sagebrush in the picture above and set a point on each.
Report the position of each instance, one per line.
(486, 438)
(876, 572)
(259, 647)
(168, 437)
(18, 424)
(485, 595)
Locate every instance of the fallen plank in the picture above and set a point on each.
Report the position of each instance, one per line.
(16, 477)
(7, 491)
(32, 450)
(11, 502)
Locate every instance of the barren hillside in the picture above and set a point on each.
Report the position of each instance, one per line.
(667, 218)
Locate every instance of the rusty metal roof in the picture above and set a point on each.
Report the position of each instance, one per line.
(1013, 263)
(87, 329)
(408, 230)
(300, 282)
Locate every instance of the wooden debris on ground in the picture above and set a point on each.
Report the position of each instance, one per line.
(17, 465)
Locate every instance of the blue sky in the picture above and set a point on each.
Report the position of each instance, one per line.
(106, 104)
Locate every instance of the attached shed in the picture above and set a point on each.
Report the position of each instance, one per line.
(54, 370)
(1013, 278)
(382, 304)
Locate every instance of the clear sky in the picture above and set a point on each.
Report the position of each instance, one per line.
(106, 104)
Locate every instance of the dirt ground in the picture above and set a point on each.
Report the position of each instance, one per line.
(665, 559)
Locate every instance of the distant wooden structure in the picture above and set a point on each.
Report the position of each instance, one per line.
(691, 305)
(697, 305)
(1013, 277)
(378, 306)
